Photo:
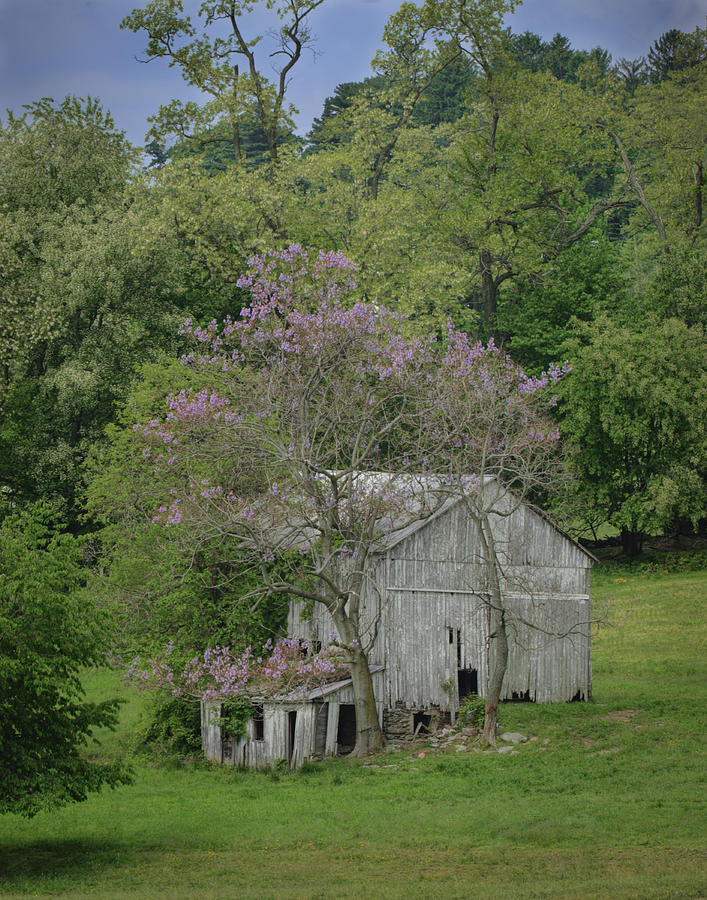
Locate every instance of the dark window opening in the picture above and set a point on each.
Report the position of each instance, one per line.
(459, 649)
(346, 733)
(421, 723)
(291, 728)
(521, 697)
(259, 724)
(450, 634)
(467, 682)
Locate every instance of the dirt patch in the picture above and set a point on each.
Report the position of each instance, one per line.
(620, 715)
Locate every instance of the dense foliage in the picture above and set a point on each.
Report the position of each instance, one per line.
(635, 419)
(49, 631)
(525, 191)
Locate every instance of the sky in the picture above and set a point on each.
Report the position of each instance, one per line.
(51, 48)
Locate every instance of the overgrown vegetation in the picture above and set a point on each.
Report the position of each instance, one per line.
(471, 711)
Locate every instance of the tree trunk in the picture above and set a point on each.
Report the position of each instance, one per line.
(493, 695)
(631, 543)
(489, 293)
(369, 737)
(697, 177)
(637, 188)
(498, 636)
(236, 131)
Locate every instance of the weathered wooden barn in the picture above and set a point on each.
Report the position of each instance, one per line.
(426, 616)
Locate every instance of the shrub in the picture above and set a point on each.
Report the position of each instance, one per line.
(173, 728)
(471, 711)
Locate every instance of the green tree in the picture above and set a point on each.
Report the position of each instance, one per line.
(416, 53)
(632, 72)
(679, 289)
(110, 282)
(333, 127)
(54, 160)
(63, 169)
(661, 139)
(211, 62)
(538, 315)
(97, 280)
(634, 418)
(519, 195)
(676, 50)
(157, 584)
(49, 631)
(443, 100)
(556, 56)
(214, 147)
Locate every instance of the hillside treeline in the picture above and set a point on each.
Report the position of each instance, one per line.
(546, 198)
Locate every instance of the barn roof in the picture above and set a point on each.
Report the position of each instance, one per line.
(396, 531)
(317, 693)
(422, 499)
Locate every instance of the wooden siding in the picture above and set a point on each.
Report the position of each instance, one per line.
(320, 627)
(432, 586)
(447, 553)
(315, 729)
(277, 743)
(550, 662)
(426, 633)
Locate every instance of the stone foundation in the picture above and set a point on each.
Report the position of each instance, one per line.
(401, 722)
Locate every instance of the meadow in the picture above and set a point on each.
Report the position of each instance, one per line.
(607, 802)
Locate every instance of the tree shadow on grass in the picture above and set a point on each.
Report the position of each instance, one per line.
(50, 859)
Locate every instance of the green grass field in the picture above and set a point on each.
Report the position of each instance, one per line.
(607, 803)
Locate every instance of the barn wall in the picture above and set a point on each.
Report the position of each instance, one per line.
(211, 736)
(427, 632)
(275, 745)
(318, 626)
(550, 662)
(435, 578)
(431, 586)
(447, 554)
(315, 732)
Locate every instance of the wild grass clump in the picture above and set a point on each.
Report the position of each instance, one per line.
(471, 711)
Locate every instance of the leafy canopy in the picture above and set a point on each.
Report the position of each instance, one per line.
(49, 632)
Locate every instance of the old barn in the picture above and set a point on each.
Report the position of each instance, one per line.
(426, 619)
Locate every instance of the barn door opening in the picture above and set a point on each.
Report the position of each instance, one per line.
(467, 679)
(320, 726)
(346, 734)
(467, 682)
(291, 728)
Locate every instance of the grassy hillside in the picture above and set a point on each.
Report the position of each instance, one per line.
(606, 803)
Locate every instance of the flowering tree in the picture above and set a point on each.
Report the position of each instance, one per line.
(491, 419)
(282, 667)
(310, 392)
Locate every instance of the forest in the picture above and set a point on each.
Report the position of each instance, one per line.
(539, 202)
